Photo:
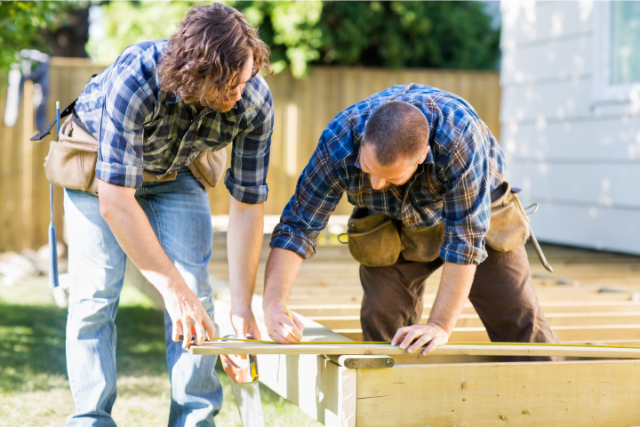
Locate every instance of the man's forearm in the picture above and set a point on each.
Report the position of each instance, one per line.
(244, 244)
(282, 269)
(130, 226)
(455, 285)
(134, 234)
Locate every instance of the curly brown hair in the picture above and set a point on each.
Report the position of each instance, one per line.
(205, 57)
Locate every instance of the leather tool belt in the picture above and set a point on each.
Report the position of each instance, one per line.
(375, 240)
(71, 161)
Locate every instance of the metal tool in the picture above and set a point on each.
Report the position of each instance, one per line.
(532, 236)
(53, 241)
(243, 372)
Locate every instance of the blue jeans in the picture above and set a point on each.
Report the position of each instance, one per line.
(181, 218)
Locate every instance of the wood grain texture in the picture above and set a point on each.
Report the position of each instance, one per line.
(598, 393)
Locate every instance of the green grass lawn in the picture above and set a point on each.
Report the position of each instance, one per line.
(34, 389)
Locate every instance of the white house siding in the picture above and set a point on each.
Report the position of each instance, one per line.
(578, 158)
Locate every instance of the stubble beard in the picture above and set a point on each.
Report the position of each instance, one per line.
(221, 106)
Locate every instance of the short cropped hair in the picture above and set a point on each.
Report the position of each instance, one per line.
(396, 130)
(206, 55)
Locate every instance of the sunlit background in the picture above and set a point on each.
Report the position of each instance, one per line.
(558, 83)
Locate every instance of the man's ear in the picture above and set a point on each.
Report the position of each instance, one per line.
(424, 154)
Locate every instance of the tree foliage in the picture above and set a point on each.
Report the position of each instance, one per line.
(21, 23)
(395, 34)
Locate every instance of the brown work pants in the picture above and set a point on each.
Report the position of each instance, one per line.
(502, 294)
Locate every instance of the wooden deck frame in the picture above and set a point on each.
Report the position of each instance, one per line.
(451, 390)
(455, 390)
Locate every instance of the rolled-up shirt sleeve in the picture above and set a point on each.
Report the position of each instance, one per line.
(127, 104)
(467, 201)
(246, 180)
(318, 192)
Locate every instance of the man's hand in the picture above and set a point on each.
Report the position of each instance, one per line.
(430, 333)
(453, 291)
(244, 323)
(186, 311)
(281, 327)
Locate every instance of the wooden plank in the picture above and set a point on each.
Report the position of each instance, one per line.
(473, 320)
(595, 393)
(576, 306)
(509, 349)
(564, 333)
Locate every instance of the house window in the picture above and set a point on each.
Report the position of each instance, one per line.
(625, 42)
(616, 72)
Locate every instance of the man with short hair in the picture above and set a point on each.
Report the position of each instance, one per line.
(154, 111)
(422, 170)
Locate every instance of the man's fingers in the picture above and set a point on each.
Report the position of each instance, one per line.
(298, 324)
(399, 335)
(408, 339)
(210, 328)
(420, 342)
(186, 333)
(177, 330)
(201, 334)
(274, 335)
(295, 334)
(285, 333)
(254, 332)
(432, 346)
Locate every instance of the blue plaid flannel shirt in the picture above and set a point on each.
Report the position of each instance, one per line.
(146, 128)
(464, 164)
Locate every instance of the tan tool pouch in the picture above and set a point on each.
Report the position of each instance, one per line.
(422, 245)
(71, 161)
(208, 168)
(373, 238)
(509, 227)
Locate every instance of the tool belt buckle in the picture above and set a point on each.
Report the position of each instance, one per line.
(241, 368)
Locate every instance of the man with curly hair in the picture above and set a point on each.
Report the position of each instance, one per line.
(158, 109)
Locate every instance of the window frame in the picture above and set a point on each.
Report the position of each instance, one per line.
(603, 90)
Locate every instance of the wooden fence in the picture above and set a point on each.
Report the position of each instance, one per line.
(303, 107)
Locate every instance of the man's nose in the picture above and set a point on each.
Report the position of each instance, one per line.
(377, 183)
(238, 96)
